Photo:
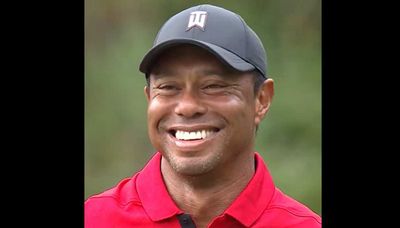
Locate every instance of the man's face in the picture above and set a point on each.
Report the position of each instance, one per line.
(201, 114)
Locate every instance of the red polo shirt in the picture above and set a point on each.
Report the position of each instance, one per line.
(143, 201)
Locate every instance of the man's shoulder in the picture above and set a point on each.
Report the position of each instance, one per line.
(115, 207)
(122, 194)
(284, 211)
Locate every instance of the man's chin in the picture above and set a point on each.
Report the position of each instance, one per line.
(193, 166)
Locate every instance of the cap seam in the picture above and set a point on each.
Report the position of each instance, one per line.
(246, 45)
(246, 40)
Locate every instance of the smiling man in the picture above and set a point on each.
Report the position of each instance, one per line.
(207, 92)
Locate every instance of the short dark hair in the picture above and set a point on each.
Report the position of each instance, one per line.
(148, 79)
(258, 80)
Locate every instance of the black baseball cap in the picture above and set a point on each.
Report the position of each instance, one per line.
(222, 32)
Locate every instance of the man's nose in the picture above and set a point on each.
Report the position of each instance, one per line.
(189, 105)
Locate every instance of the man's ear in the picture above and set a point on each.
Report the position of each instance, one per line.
(263, 100)
(147, 93)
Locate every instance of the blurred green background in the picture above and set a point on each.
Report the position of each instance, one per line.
(119, 32)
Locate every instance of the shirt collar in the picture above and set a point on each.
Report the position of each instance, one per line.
(253, 200)
(153, 193)
(246, 208)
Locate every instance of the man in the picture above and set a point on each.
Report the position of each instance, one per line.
(207, 92)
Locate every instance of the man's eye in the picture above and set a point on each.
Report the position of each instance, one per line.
(214, 86)
(167, 87)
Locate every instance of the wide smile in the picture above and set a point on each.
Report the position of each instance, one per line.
(192, 138)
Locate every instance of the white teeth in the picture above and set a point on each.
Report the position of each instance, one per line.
(193, 135)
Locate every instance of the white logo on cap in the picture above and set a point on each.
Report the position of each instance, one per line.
(197, 19)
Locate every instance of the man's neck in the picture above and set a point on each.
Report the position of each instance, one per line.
(207, 196)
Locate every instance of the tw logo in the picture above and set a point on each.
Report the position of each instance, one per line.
(197, 19)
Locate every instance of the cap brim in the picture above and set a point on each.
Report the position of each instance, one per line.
(225, 56)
